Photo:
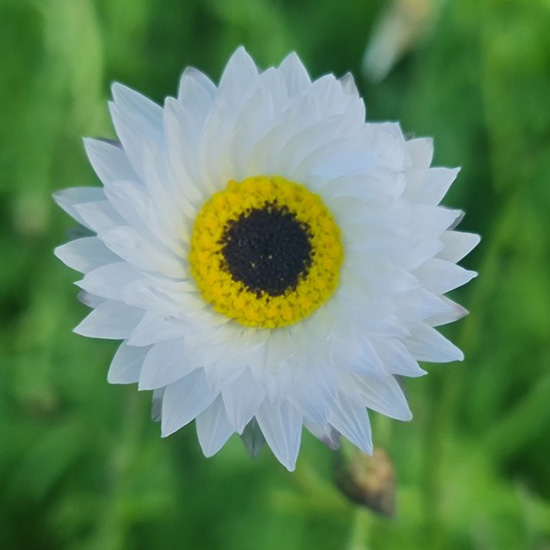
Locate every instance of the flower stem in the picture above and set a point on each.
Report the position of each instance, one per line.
(359, 536)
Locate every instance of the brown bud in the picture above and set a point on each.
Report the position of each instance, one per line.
(368, 480)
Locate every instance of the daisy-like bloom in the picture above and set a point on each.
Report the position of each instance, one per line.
(268, 258)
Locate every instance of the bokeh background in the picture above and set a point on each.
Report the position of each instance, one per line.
(81, 464)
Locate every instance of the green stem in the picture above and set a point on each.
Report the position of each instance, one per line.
(359, 536)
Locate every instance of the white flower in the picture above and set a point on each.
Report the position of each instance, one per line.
(266, 256)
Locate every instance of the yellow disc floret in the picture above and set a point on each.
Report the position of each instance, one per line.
(265, 252)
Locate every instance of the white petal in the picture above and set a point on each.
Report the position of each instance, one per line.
(133, 205)
(154, 328)
(109, 161)
(332, 99)
(165, 363)
(457, 245)
(426, 344)
(282, 428)
(136, 249)
(216, 166)
(170, 217)
(126, 364)
(351, 420)
(326, 433)
(279, 347)
(397, 359)
(439, 276)
(457, 221)
(99, 215)
(238, 75)
(365, 360)
(432, 221)
(432, 187)
(140, 113)
(111, 320)
(242, 399)
(109, 281)
(348, 84)
(384, 396)
(213, 428)
(131, 201)
(136, 139)
(85, 254)
(184, 400)
(421, 152)
(251, 125)
(386, 138)
(182, 143)
(366, 187)
(295, 74)
(303, 151)
(168, 297)
(311, 393)
(422, 304)
(350, 339)
(89, 299)
(69, 198)
(453, 313)
(265, 155)
(196, 93)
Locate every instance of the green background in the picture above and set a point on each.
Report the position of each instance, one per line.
(81, 464)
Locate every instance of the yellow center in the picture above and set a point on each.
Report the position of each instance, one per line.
(265, 252)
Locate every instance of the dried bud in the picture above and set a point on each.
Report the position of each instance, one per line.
(368, 480)
(400, 27)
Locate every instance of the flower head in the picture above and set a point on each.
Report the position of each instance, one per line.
(267, 257)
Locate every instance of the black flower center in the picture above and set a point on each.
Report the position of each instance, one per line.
(267, 249)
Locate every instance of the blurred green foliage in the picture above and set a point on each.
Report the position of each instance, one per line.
(81, 464)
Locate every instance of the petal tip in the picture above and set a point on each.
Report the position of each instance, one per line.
(118, 90)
